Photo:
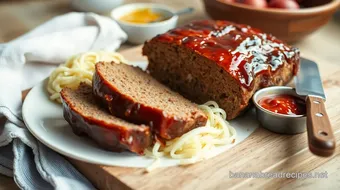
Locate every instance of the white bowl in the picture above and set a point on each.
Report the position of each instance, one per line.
(97, 6)
(139, 33)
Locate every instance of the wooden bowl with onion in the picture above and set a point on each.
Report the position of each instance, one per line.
(290, 24)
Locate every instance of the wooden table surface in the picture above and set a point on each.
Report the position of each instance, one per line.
(18, 17)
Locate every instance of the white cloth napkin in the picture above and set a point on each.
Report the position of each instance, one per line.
(23, 63)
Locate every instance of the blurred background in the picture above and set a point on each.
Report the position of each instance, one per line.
(19, 16)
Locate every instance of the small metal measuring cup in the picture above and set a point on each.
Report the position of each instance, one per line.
(279, 123)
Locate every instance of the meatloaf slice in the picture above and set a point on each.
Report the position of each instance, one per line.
(85, 116)
(220, 61)
(133, 95)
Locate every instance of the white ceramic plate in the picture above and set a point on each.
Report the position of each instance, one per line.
(44, 119)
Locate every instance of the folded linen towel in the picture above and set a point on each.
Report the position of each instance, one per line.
(26, 61)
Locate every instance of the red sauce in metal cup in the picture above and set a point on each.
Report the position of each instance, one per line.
(283, 104)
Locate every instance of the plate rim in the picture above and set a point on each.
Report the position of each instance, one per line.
(88, 159)
(41, 140)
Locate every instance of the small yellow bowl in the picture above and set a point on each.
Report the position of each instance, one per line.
(139, 33)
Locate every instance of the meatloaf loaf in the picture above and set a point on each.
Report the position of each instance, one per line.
(135, 96)
(220, 61)
(87, 117)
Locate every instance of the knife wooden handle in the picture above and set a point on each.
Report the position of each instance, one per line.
(320, 134)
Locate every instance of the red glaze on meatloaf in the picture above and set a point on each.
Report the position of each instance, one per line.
(221, 61)
(132, 94)
(86, 116)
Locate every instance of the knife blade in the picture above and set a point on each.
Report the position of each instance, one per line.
(308, 80)
(320, 134)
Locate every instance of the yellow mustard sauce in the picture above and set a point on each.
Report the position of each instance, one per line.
(141, 16)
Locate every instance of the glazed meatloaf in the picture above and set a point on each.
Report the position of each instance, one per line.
(135, 96)
(87, 117)
(220, 61)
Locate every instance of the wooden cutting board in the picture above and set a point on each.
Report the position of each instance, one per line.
(262, 151)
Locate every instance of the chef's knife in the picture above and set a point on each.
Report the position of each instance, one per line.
(320, 135)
